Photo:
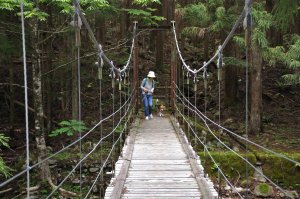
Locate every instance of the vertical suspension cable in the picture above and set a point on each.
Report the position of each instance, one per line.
(100, 76)
(26, 99)
(188, 87)
(113, 125)
(78, 43)
(205, 77)
(120, 96)
(246, 118)
(247, 26)
(219, 176)
(184, 90)
(195, 102)
(219, 65)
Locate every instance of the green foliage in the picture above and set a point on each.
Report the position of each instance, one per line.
(4, 170)
(120, 129)
(285, 12)
(145, 2)
(193, 32)
(9, 4)
(69, 128)
(233, 61)
(272, 166)
(145, 16)
(214, 3)
(264, 188)
(4, 140)
(240, 41)
(262, 21)
(220, 21)
(289, 56)
(197, 15)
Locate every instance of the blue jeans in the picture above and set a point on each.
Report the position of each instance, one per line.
(147, 101)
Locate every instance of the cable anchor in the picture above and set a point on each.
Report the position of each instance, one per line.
(188, 78)
(195, 80)
(205, 75)
(220, 63)
(100, 66)
(120, 80)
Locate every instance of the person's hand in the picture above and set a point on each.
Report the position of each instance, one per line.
(145, 90)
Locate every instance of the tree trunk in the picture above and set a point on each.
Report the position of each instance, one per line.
(274, 35)
(256, 89)
(100, 34)
(75, 80)
(231, 80)
(48, 78)
(38, 102)
(75, 107)
(160, 50)
(12, 96)
(161, 36)
(124, 20)
(152, 40)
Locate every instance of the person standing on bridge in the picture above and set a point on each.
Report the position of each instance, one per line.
(147, 87)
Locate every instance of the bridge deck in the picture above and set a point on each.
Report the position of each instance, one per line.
(155, 165)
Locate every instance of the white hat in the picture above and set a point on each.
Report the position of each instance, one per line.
(151, 74)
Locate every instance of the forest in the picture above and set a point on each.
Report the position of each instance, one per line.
(85, 60)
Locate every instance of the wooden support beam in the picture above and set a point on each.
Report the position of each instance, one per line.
(161, 27)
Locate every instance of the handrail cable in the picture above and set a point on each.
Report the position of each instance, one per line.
(105, 162)
(88, 154)
(68, 146)
(249, 163)
(241, 137)
(98, 46)
(215, 163)
(94, 53)
(220, 48)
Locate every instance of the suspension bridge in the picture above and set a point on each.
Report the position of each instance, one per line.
(157, 159)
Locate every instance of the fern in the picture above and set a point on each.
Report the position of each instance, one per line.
(197, 15)
(285, 12)
(291, 79)
(69, 128)
(145, 2)
(4, 140)
(145, 16)
(263, 21)
(194, 32)
(4, 170)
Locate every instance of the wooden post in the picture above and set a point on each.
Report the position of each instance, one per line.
(136, 70)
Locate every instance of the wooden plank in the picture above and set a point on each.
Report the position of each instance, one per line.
(204, 187)
(152, 195)
(120, 180)
(160, 174)
(165, 167)
(157, 162)
(158, 167)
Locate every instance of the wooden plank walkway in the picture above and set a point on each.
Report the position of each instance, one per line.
(157, 162)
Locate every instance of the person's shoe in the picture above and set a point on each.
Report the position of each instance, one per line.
(151, 116)
(147, 118)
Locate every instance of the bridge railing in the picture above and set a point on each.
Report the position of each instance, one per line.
(189, 115)
(123, 101)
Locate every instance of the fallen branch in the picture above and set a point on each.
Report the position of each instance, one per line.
(6, 190)
(64, 192)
